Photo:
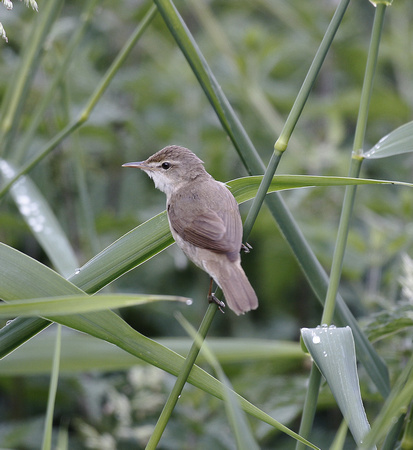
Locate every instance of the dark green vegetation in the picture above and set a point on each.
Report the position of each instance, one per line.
(70, 117)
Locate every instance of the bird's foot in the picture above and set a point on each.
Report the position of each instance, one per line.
(246, 247)
(213, 299)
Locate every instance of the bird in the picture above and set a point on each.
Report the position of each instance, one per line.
(204, 220)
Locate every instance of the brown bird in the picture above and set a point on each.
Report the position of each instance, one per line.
(204, 220)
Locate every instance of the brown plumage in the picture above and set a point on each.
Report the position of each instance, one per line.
(204, 220)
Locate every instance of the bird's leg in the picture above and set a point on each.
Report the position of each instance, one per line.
(246, 247)
(213, 299)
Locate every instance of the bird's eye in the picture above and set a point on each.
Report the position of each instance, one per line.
(165, 165)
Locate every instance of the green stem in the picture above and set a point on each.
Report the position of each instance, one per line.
(94, 98)
(33, 161)
(292, 119)
(85, 18)
(308, 83)
(355, 166)
(311, 398)
(16, 94)
(347, 208)
(182, 378)
(340, 247)
(261, 193)
(368, 78)
(48, 427)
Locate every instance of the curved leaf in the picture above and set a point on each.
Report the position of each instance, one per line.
(333, 351)
(41, 220)
(246, 188)
(76, 304)
(395, 143)
(19, 274)
(153, 236)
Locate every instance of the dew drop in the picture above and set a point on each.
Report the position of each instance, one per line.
(77, 271)
(189, 302)
(316, 339)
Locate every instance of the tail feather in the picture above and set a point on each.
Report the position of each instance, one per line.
(237, 290)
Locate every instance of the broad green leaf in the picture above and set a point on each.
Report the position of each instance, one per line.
(398, 141)
(153, 236)
(333, 351)
(77, 304)
(41, 220)
(20, 277)
(246, 188)
(129, 251)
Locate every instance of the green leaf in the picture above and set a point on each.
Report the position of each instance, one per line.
(396, 405)
(386, 323)
(153, 236)
(20, 277)
(395, 143)
(126, 253)
(333, 351)
(246, 188)
(41, 220)
(76, 304)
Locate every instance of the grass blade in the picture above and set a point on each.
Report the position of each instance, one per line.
(48, 428)
(78, 304)
(41, 220)
(19, 279)
(398, 141)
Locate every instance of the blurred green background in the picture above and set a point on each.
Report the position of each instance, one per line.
(260, 53)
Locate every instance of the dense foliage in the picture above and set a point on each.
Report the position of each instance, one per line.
(260, 53)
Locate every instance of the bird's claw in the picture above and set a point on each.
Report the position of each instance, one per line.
(213, 299)
(246, 247)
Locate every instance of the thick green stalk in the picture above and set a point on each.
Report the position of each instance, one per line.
(94, 98)
(347, 208)
(355, 165)
(261, 194)
(341, 243)
(182, 378)
(16, 95)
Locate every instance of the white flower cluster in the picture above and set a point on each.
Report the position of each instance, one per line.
(9, 5)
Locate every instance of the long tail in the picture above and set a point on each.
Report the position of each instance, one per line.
(237, 290)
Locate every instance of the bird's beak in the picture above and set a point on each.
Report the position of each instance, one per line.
(139, 165)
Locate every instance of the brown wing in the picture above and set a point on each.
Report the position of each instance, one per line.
(216, 225)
